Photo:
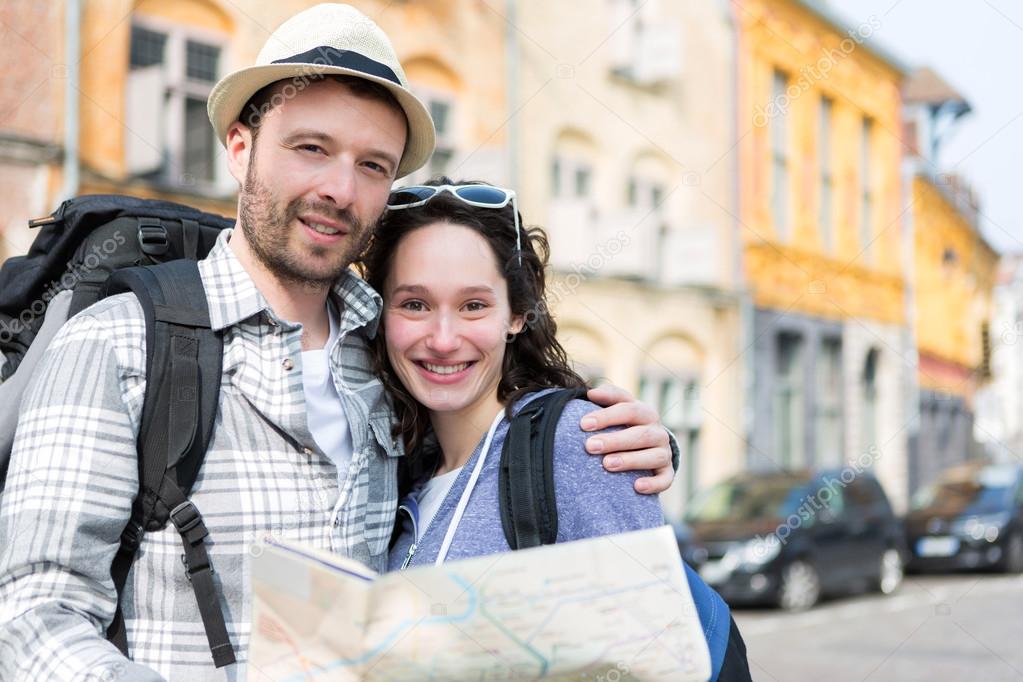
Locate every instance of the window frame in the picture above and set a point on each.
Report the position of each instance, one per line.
(826, 211)
(866, 188)
(779, 141)
(177, 89)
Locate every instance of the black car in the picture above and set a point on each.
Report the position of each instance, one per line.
(970, 518)
(788, 537)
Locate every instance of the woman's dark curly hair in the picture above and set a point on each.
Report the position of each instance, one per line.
(533, 359)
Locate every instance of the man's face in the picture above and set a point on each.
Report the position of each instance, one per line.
(317, 180)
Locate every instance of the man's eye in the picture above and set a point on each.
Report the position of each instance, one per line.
(376, 167)
(315, 148)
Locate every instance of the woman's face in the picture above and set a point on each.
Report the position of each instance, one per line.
(446, 318)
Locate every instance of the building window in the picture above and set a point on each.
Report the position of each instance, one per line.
(168, 136)
(866, 179)
(829, 403)
(644, 195)
(643, 46)
(826, 217)
(677, 399)
(868, 425)
(789, 402)
(572, 178)
(779, 159)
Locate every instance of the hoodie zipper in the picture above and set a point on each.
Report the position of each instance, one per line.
(415, 534)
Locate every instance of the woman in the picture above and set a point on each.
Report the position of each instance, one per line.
(466, 341)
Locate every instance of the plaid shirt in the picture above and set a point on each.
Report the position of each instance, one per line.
(74, 473)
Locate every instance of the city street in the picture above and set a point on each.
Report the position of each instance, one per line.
(962, 627)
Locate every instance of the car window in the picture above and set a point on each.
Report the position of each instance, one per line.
(825, 498)
(859, 494)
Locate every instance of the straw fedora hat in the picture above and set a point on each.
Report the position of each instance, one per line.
(326, 39)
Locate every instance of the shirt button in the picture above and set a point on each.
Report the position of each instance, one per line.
(288, 365)
(308, 452)
(271, 321)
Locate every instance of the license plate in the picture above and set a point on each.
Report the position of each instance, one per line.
(938, 546)
(713, 573)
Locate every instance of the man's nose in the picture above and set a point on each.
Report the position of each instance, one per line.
(444, 337)
(338, 184)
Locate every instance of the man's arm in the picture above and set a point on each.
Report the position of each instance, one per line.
(72, 477)
(643, 445)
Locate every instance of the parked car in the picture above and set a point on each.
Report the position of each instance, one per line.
(970, 518)
(790, 537)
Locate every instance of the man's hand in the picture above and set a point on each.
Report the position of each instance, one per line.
(643, 444)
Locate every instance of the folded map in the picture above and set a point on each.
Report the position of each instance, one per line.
(603, 609)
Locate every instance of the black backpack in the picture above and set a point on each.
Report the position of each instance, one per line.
(529, 512)
(529, 508)
(89, 249)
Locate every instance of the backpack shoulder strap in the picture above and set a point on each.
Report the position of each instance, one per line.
(529, 510)
(183, 373)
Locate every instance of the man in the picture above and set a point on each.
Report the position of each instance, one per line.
(315, 134)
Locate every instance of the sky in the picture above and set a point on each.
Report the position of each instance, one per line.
(976, 46)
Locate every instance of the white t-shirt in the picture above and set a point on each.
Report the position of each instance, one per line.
(431, 495)
(325, 412)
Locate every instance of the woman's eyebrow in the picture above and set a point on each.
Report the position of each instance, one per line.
(420, 289)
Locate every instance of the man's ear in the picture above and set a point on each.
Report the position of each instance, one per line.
(239, 151)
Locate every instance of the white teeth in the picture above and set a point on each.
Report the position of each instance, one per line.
(322, 229)
(445, 369)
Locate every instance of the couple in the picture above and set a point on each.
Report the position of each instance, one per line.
(308, 441)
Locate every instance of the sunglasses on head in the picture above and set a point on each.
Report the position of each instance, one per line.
(483, 196)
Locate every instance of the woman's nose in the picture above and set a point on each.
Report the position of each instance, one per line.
(444, 336)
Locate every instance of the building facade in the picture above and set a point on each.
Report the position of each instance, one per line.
(954, 273)
(998, 421)
(624, 138)
(616, 126)
(823, 244)
(33, 78)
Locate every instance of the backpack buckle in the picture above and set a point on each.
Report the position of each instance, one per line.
(186, 518)
(131, 537)
(153, 237)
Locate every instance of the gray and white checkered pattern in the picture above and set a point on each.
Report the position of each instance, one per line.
(74, 473)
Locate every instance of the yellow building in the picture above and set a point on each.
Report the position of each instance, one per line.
(954, 277)
(819, 142)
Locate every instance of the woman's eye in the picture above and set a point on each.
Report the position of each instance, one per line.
(413, 306)
(475, 306)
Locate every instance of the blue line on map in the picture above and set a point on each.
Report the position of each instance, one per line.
(403, 626)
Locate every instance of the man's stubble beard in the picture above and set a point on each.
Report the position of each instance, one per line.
(267, 228)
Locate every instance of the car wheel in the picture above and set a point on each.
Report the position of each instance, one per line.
(891, 573)
(800, 586)
(1013, 562)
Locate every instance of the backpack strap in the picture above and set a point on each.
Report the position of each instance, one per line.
(529, 510)
(183, 369)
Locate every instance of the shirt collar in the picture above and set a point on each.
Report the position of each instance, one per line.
(234, 297)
